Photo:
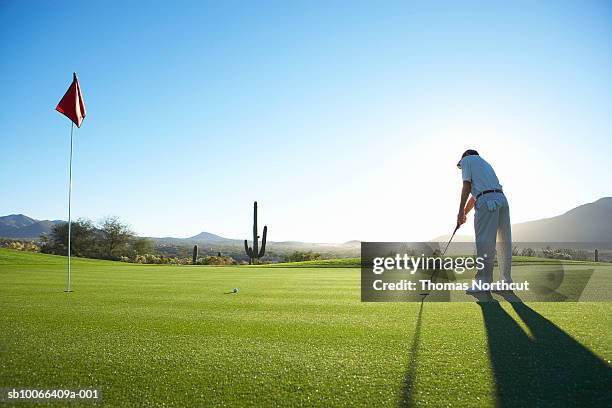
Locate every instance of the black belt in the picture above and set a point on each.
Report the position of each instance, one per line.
(489, 191)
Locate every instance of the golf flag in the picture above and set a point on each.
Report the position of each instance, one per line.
(72, 105)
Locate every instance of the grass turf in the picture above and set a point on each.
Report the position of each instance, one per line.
(172, 335)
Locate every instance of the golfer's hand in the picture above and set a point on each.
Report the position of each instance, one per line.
(461, 218)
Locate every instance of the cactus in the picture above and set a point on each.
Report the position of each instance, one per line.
(195, 254)
(255, 252)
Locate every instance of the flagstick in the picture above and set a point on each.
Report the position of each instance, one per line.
(69, 204)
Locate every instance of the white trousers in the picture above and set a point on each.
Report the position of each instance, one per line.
(492, 222)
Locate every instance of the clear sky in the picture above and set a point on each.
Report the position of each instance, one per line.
(344, 120)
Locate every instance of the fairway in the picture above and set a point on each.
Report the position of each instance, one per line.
(153, 335)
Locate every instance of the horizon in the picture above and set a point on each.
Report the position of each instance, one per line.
(224, 236)
(343, 122)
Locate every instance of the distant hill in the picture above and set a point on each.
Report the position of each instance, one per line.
(208, 237)
(23, 227)
(590, 222)
(587, 223)
(16, 221)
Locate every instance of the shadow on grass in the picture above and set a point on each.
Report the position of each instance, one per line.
(407, 397)
(548, 369)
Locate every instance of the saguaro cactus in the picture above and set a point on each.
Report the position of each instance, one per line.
(255, 252)
(195, 254)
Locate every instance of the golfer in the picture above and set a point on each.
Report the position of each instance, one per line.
(492, 217)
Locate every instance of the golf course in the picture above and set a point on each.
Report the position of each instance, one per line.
(160, 335)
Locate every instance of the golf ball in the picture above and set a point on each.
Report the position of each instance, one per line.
(235, 290)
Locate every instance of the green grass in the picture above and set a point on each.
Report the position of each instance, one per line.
(170, 335)
(320, 263)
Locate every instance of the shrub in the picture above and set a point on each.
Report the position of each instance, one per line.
(217, 260)
(300, 256)
(565, 254)
(527, 252)
(20, 245)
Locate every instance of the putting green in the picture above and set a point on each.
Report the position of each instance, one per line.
(153, 335)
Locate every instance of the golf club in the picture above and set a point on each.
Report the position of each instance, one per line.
(450, 240)
(434, 274)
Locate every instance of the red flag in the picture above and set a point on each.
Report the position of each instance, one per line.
(72, 104)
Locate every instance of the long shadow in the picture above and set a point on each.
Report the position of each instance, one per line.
(549, 369)
(407, 394)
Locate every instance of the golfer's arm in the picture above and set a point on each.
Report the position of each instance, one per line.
(465, 193)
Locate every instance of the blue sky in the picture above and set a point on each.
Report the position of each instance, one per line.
(344, 120)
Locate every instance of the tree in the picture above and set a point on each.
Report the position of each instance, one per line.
(116, 237)
(141, 246)
(82, 239)
(112, 239)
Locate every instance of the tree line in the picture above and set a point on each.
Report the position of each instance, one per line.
(109, 239)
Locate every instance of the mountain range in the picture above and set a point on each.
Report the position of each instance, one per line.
(590, 222)
(23, 227)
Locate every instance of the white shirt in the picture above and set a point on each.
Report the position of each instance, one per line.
(476, 170)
